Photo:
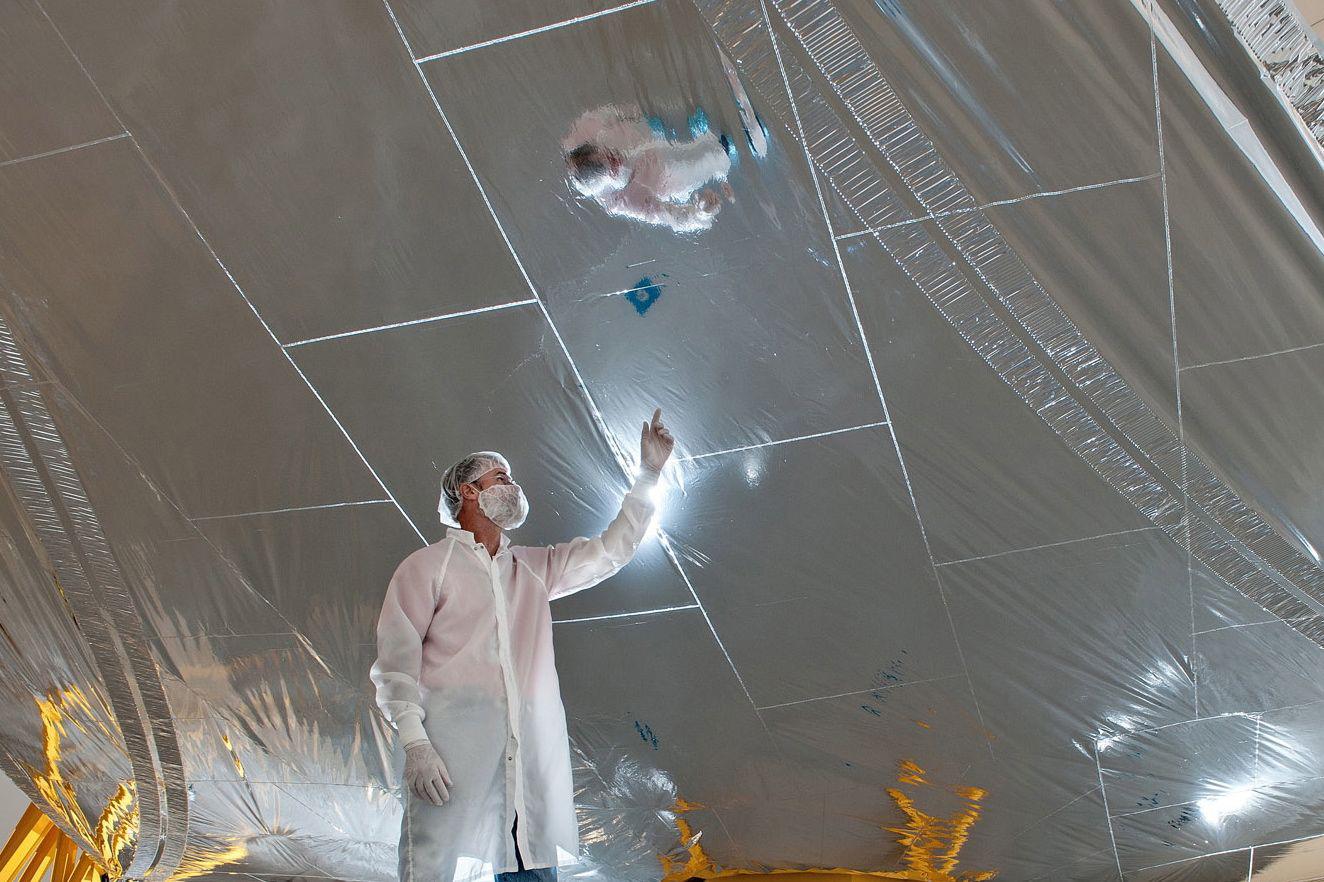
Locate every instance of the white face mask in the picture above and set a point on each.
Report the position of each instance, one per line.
(504, 504)
(596, 186)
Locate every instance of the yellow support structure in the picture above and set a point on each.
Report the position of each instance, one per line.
(42, 859)
(64, 853)
(85, 869)
(37, 845)
(27, 836)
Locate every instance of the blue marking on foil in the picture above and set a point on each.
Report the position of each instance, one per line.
(698, 122)
(659, 128)
(644, 294)
(646, 733)
(731, 152)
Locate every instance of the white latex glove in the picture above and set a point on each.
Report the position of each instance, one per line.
(655, 444)
(425, 773)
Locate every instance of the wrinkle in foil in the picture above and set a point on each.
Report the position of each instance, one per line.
(39, 469)
(1281, 41)
(626, 809)
(930, 843)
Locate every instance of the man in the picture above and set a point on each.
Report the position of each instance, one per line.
(628, 165)
(465, 672)
(615, 157)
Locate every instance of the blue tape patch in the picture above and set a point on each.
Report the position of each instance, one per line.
(698, 122)
(644, 294)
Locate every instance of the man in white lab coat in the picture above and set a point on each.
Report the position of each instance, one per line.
(466, 673)
(615, 157)
(628, 165)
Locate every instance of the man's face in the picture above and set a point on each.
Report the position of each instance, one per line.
(491, 478)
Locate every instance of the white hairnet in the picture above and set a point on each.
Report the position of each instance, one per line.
(466, 471)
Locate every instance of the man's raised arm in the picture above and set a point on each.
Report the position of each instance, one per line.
(581, 563)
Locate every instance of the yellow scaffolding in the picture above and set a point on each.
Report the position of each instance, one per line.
(37, 845)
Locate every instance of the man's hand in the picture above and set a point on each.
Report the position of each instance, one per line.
(425, 773)
(656, 444)
(707, 201)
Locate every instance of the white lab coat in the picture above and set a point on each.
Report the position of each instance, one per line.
(664, 174)
(460, 635)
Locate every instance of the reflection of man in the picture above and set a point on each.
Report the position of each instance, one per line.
(465, 671)
(616, 158)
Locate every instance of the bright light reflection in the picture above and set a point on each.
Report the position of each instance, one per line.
(1216, 808)
(658, 494)
(753, 470)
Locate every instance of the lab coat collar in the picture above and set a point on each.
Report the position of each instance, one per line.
(469, 539)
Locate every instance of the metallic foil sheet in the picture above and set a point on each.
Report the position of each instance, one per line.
(40, 472)
(1080, 395)
(944, 547)
(1275, 33)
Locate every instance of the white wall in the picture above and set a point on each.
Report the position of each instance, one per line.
(13, 802)
(1313, 10)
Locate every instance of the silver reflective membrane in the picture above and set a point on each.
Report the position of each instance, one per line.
(991, 335)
